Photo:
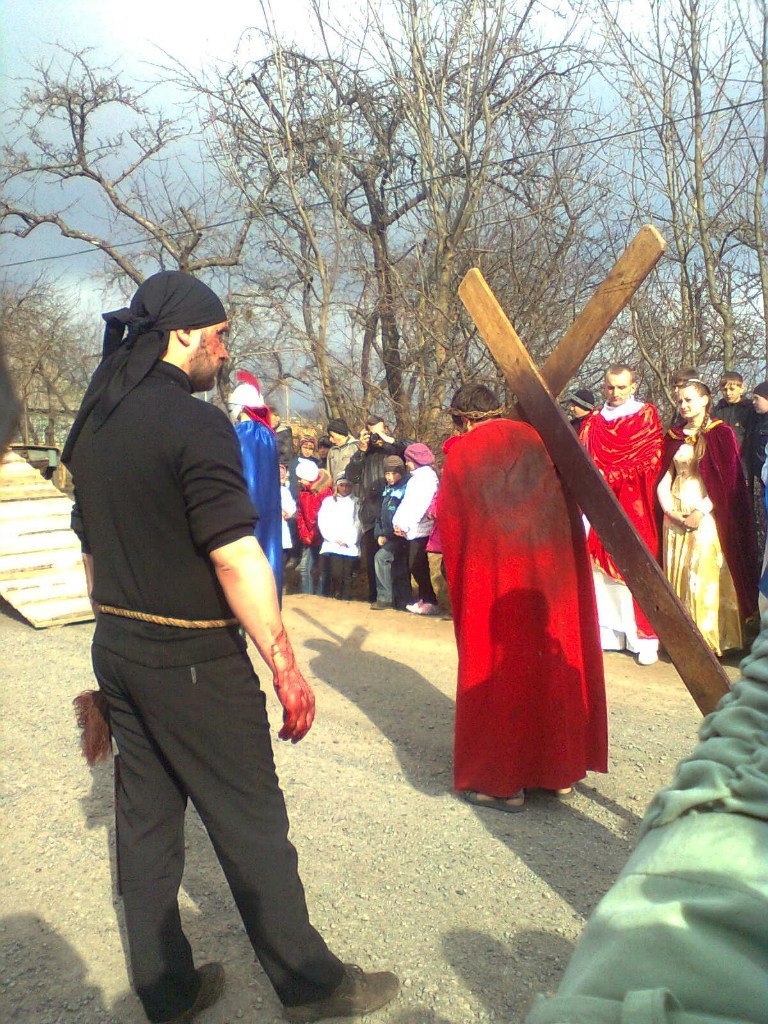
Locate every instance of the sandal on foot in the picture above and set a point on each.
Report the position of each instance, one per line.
(563, 794)
(510, 805)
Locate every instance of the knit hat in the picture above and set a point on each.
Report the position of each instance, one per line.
(761, 389)
(338, 426)
(420, 454)
(393, 464)
(582, 397)
(307, 470)
(307, 439)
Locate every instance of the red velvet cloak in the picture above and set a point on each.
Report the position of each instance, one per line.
(723, 478)
(530, 705)
(627, 451)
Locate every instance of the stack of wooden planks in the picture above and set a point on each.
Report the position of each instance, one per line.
(41, 571)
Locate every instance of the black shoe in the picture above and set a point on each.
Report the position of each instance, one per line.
(378, 606)
(211, 986)
(357, 994)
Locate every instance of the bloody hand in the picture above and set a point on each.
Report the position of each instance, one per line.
(293, 691)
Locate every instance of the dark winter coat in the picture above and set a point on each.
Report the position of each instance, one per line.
(366, 472)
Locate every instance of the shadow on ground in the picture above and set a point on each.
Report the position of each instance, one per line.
(38, 966)
(504, 984)
(380, 687)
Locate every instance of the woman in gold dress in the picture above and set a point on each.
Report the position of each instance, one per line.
(708, 556)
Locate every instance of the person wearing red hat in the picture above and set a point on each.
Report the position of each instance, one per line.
(261, 468)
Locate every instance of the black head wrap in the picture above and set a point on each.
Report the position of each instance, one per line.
(136, 337)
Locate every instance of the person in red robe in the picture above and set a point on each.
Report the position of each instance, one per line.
(625, 441)
(530, 703)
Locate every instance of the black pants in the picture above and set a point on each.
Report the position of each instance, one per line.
(419, 566)
(201, 732)
(368, 549)
(338, 569)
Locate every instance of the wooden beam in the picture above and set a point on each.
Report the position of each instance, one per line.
(698, 667)
(630, 270)
(41, 567)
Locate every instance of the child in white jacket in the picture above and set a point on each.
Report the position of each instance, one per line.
(288, 507)
(412, 522)
(339, 527)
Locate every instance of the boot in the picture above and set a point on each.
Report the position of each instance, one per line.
(211, 986)
(357, 994)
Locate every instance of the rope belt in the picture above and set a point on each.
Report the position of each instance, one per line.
(165, 620)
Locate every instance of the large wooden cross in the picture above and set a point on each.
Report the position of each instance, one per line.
(536, 394)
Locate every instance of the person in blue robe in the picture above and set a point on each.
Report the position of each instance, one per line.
(261, 467)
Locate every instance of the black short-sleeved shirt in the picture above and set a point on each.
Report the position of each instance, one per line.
(158, 488)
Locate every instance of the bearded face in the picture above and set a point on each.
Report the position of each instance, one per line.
(208, 357)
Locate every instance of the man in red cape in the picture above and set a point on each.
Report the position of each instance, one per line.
(530, 704)
(625, 441)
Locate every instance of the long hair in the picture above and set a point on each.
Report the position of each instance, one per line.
(702, 391)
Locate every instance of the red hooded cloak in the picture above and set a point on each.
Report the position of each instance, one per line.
(530, 705)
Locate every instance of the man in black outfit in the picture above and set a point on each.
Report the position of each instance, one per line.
(284, 436)
(173, 568)
(366, 471)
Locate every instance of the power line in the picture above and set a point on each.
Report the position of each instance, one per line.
(505, 164)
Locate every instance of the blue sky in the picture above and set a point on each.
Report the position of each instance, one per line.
(128, 37)
(130, 32)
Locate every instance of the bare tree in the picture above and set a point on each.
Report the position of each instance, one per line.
(387, 162)
(697, 168)
(50, 354)
(753, 229)
(88, 147)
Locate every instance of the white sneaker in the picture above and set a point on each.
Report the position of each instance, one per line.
(647, 658)
(429, 609)
(415, 608)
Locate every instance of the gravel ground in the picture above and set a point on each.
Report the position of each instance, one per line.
(475, 910)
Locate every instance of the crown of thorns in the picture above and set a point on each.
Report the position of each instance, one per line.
(476, 414)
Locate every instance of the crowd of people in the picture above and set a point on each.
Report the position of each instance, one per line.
(366, 506)
(352, 505)
(176, 573)
(689, 493)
